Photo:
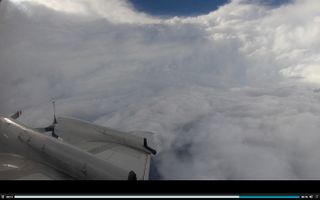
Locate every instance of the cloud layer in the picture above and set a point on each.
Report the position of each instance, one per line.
(229, 95)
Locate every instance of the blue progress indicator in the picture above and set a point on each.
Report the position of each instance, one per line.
(269, 197)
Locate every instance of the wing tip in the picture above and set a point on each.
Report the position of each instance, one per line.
(145, 144)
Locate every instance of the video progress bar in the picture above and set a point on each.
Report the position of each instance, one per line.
(156, 197)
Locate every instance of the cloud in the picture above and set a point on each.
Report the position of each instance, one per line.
(118, 11)
(229, 95)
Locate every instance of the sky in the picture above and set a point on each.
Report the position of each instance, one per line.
(177, 7)
(171, 8)
(230, 94)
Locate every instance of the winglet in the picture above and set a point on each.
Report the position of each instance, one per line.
(145, 144)
(16, 115)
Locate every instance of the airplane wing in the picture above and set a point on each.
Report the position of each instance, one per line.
(16, 167)
(127, 151)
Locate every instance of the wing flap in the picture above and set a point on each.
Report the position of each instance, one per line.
(129, 159)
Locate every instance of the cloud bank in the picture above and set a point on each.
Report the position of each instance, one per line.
(229, 95)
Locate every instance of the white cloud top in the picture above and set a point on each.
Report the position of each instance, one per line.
(118, 11)
(229, 95)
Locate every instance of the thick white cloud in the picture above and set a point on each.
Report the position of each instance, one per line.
(117, 11)
(229, 95)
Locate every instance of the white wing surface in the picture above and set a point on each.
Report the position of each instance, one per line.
(16, 167)
(127, 151)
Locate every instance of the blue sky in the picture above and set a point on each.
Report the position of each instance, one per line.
(177, 7)
(187, 7)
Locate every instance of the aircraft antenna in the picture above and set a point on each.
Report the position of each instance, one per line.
(54, 111)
